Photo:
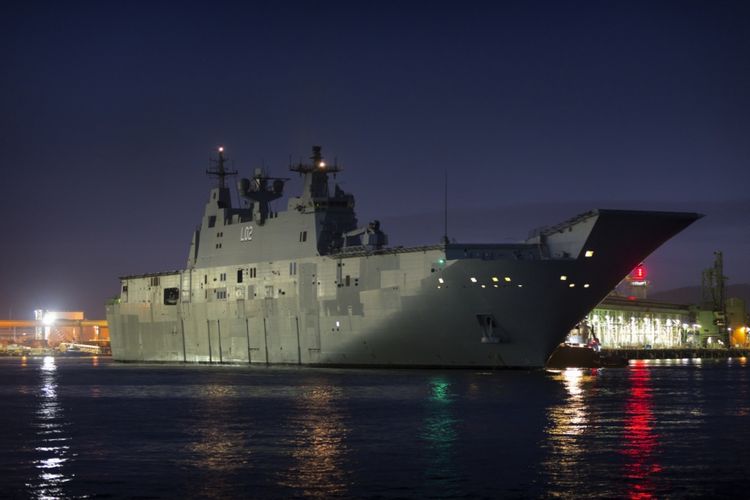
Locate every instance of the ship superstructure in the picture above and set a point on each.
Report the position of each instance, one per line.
(310, 285)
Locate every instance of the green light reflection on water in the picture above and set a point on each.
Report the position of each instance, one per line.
(439, 434)
(440, 390)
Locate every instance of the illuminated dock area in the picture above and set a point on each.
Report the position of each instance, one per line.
(52, 333)
(677, 354)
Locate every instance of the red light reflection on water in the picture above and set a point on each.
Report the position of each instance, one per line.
(641, 442)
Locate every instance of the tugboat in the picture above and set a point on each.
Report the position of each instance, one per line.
(309, 285)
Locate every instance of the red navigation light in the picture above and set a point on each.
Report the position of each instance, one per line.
(639, 273)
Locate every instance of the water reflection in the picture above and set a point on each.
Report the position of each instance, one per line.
(641, 442)
(53, 448)
(568, 422)
(218, 447)
(743, 397)
(319, 446)
(439, 434)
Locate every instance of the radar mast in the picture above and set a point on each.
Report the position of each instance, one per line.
(216, 168)
(315, 184)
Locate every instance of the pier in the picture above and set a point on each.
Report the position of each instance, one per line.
(674, 353)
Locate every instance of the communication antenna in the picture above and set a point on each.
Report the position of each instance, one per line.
(218, 168)
(445, 215)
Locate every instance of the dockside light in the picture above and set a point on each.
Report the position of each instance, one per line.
(49, 318)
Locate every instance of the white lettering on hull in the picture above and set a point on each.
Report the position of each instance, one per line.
(246, 233)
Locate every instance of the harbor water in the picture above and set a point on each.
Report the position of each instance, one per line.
(89, 427)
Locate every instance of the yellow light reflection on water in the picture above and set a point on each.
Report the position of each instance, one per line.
(217, 447)
(567, 422)
(320, 445)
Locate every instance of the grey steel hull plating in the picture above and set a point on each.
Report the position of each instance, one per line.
(436, 327)
(420, 308)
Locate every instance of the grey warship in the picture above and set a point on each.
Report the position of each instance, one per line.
(309, 286)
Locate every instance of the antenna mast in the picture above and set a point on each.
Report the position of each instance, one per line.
(219, 170)
(445, 215)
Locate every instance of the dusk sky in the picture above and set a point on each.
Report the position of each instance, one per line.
(537, 111)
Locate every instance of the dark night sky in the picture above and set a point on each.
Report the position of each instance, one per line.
(537, 110)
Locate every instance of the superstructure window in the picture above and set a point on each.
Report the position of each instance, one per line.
(154, 281)
(223, 277)
(303, 236)
(253, 272)
(171, 296)
(239, 275)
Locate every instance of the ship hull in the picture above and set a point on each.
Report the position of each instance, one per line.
(434, 324)
(439, 325)
(444, 306)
